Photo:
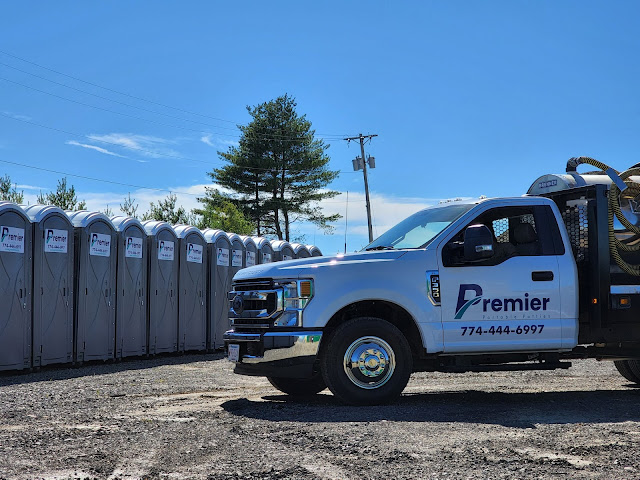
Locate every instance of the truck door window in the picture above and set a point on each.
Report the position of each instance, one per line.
(515, 233)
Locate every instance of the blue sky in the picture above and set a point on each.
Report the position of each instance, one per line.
(468, 98)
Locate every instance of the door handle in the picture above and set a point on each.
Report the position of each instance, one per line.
(545, 276)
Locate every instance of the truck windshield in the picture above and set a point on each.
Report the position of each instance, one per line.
(420, 228)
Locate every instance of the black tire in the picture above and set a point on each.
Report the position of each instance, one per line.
(629, 369)
(299, 387)
(371, 340)
(634, 366)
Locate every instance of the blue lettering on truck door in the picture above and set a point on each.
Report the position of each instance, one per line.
(497, 304)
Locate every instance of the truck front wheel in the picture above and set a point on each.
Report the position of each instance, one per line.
(299, 387)
(366, 361)
(629, 369)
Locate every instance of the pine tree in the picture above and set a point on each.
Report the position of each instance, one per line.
(129, 207)
(279, 171)
(64, 197)
(166, 211)
(8, 193)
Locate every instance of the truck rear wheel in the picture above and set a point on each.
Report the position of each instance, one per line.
(367, 361)
(299, 387)
(629, 369)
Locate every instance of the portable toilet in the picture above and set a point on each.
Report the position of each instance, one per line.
(250, 251)
(162, 300)
(15, 287)
(94, 312)
(265, 252)
(300, 251)
(192, 284)
(314, 251)
(131, 287)
(237, 254)
(219, 284)
(282, 250)
(53, 284)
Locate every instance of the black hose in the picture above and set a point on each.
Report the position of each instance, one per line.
(619, 182)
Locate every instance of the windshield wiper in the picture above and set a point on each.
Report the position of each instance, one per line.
(380, 247)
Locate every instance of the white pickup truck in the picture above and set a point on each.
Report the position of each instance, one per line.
(488, 284)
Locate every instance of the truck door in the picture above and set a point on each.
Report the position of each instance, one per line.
(509, 301)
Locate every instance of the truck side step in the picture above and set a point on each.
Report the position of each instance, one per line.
(504, 367)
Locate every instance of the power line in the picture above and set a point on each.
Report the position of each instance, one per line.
(111, 111)
(112, 182)
(160, 154)
(78, 135)
(112, 90)
(107, 98)
(205, 132)
(155, 112)
(33, 167)
(337, 136)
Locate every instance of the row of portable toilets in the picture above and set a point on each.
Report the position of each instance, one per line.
(79, 286)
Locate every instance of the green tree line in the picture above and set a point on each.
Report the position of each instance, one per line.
(222, 214)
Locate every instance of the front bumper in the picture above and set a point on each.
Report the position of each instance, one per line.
(276, 354)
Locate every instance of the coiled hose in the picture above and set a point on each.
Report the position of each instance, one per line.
(620, 182)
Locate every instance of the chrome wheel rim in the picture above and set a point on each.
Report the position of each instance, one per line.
(369, 362)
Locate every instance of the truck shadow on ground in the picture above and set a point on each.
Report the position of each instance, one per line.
(68, 371)
(517, 410)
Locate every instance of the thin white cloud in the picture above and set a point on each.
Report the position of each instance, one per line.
(147, 145)
(30, 187)
(218, 142)
(94, 147)
(17, 116)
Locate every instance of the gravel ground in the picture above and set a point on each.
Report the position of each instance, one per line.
(191, 417)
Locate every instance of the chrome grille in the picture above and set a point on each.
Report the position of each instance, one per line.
(253, 284)
(254, 304)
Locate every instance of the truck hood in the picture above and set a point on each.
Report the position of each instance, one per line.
(313, 265)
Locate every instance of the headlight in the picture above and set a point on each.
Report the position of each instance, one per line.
(297, 294)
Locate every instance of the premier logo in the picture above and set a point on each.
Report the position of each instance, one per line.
(521, 304)
(166, 247)
(52, 237)
(95, 240)
(133, 243)
(10, 236)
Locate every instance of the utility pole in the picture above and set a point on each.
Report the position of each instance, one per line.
(363, 164)
(346, 222)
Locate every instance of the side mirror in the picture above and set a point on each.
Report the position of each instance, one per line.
(478, 243)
